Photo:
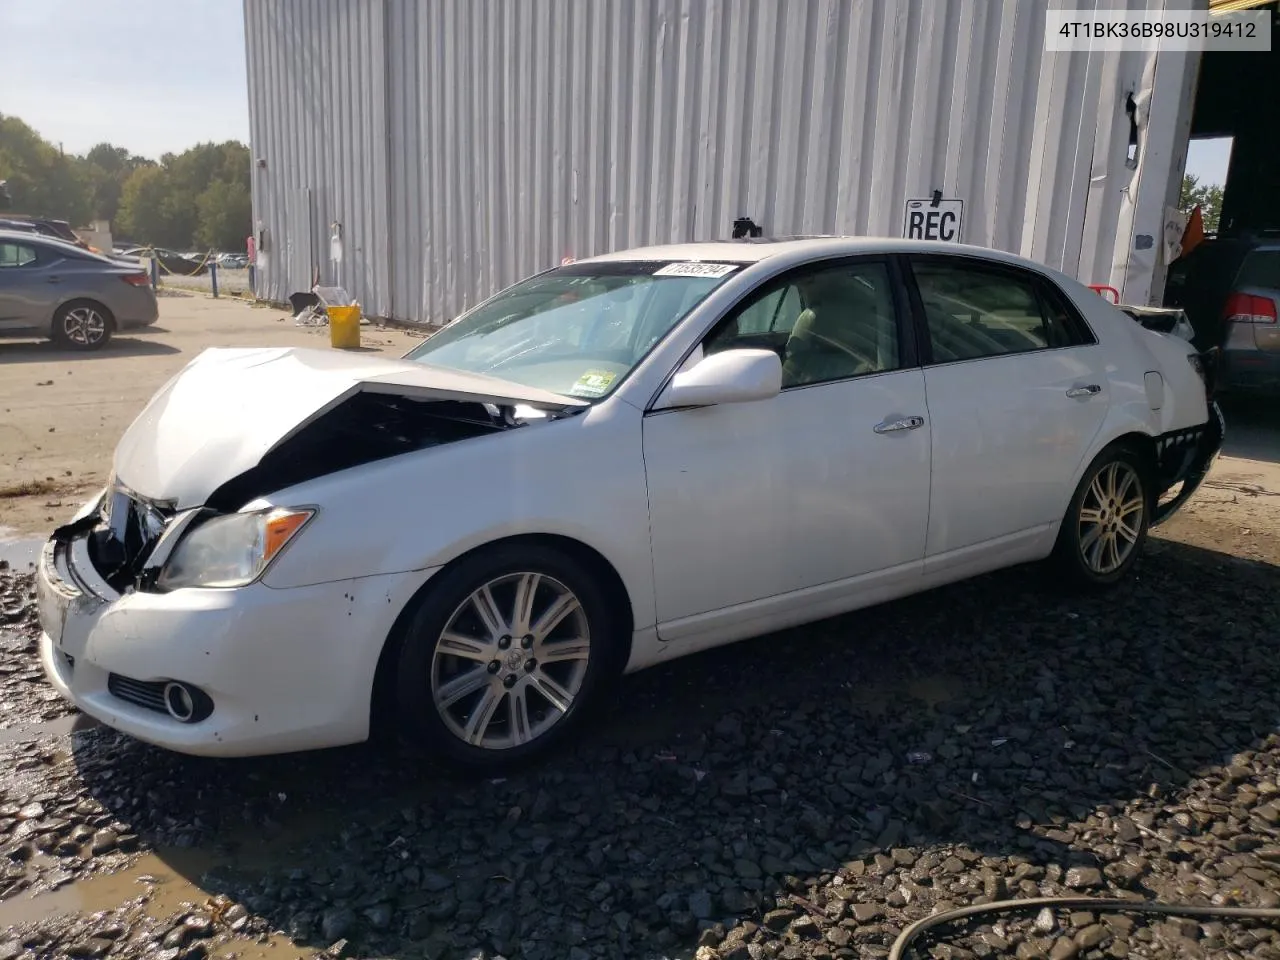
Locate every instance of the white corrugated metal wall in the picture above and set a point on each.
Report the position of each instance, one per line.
(463, 144)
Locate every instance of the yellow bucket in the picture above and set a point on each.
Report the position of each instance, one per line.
(344, 327)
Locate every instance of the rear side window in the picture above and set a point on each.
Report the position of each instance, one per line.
(974, 311)
(1261, 268)
(16, 255)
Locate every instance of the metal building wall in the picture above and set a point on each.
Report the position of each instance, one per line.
(463, 144)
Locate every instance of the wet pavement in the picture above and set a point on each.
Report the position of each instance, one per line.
(803, 795)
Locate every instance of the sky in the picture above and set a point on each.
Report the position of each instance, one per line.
(159, 76)
(1208, 159)
(153, 76)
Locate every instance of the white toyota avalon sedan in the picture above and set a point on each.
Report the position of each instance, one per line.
(610, 464)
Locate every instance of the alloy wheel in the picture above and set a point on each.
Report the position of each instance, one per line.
(1111, 515)
(511, 660)
(84, 326)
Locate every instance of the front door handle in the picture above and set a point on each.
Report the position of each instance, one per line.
(893, 426)
(1088, 390)
(53, 280)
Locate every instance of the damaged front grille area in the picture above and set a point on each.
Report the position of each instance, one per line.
(129, 529)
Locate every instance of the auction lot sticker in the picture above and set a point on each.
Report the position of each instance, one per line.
(712, 270)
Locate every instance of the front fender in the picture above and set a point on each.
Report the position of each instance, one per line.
(582, 478)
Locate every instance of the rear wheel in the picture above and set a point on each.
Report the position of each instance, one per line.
(504, 655)
(83, 325)
(1106, 523)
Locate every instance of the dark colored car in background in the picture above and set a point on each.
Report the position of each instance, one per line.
(55, 229)
(1230, 290)
(170, 261)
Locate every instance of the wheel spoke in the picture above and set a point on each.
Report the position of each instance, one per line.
(1109, 484)
(522, 612)
(1131, 506)
(552, 692)
(1095, 552)
(1128, 481)
(482, 714)
(1090, 515)
(484, 604)
(1090, 538)
(461, 686)
(563, 651)
(518, 715)
(551, 618)
(1112, 553)
(456, 645)
(1130, 532)
(1095, 489)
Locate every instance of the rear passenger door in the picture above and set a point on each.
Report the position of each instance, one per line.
(1017, 389)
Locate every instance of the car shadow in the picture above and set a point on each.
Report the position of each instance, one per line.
(44, 351)
(986, 719)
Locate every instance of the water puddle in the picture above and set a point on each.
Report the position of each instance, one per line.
(62, 727)
(156, 886)
(161, 886)
(21, 552)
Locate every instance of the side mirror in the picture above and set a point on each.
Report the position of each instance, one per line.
(732, 376)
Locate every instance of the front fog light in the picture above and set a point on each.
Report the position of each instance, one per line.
(232, 550)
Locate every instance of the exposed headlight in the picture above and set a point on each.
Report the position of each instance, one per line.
(231, 551)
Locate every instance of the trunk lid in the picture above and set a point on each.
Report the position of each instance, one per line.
(229, 407)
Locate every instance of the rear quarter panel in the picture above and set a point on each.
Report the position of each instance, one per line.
(1131, 352)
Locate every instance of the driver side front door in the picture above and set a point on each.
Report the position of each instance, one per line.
(775, 512)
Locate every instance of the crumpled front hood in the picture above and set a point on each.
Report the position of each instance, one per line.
(228, 407)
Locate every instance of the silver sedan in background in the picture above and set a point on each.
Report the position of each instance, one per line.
(79, 299)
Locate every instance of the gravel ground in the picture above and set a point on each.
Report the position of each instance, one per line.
(25, 697)
(994, 739)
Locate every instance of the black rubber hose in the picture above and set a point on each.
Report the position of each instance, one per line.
(899, 949)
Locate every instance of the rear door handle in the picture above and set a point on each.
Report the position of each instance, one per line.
(1088, 390)
(53, 280)
(893, 426)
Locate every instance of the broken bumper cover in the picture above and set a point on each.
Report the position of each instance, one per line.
(286, 669)
(1185, 457)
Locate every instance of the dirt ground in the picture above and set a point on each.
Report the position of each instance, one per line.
(61, 413)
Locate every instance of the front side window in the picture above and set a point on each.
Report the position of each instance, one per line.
(826, 323)
(16, 255)
(973, 311)
(577, 330)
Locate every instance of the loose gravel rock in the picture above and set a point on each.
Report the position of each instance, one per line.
(805, 795)
(25, 697)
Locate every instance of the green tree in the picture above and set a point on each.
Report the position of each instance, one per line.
(198, 196)
(107, 168)
(145, 211)
(43, 181)
(1208, 197)
(225, 216)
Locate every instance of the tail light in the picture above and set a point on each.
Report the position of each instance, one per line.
(137, 279)
(1249, 308)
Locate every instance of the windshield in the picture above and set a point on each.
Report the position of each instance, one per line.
(577, 330)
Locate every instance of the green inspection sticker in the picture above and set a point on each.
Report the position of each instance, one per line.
(593, 383)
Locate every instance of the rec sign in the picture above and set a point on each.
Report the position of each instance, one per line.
(933, 220)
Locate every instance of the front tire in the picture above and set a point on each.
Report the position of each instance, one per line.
(505, 654)
(1106, 523)
(83, 325)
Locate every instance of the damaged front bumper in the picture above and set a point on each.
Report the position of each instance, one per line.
(1184, 458)
(282, 669)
